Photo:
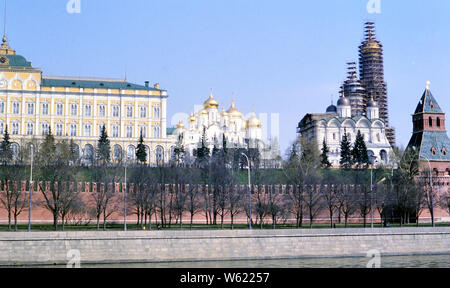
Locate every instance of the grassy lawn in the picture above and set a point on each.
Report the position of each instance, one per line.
(119, 227)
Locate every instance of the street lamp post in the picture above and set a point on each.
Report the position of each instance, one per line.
(125, 199)
(249, 192)
(371, 198)
(31, 189)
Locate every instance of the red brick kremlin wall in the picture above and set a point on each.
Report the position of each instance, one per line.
(42, 215)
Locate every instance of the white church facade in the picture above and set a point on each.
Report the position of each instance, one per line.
(338, 120)
(231, 124)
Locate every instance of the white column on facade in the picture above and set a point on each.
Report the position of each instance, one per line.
(163, 116)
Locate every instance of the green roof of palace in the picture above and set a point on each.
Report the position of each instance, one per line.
(18, 61)
(95, 84)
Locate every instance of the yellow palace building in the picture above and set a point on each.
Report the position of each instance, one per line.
(77, 108)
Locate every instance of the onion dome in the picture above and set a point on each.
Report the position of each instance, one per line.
(343, 101)
(233, 112)
(224, 113)
(254, 122)
(211, 102)
(372, 103)
(371, 44)
(180, 125)
(203, 112)
(192, 118)
(332, 109)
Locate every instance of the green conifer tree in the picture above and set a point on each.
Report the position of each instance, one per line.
(6, 153)
(104, 147)
(346, 152)
(141, 153)
(324, 156)
(359, 152)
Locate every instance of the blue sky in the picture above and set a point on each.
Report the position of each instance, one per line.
(284, 56)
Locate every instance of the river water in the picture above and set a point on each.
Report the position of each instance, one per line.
(429, 261)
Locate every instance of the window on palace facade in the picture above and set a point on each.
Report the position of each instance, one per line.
(45, 128)
(143, 112)
(15, 128)
(438, 122)
(159, 154)
(130, 153)
(129, 131)
(44, 108)
(129, 111)
(430, 122)
(143, 131)
(2, 107)
(87, 130)
(30, 108)
(156, 112)
(156, 132)
(73, 109)
(100, 129)
(116, 111)
(73, 129)
(59, 129)
(378, 137)
(115, 130)
(448, 171)
(16, 107)
(59, 109)
(30, 128)
(1, 128)
(102, 110)
(15, 150)
(87, 110)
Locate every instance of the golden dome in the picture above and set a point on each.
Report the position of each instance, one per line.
(371, 45)
(254, 122)
(233, 112)
(224, 113)
(192, 118)
(203, 112)
(211, 102)
(180, 125)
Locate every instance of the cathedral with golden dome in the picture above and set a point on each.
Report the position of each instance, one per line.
(214, 125)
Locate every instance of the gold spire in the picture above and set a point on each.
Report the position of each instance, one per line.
(180, 125)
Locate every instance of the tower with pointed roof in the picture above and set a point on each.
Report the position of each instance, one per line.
(430, 139)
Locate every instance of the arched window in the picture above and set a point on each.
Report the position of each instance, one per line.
(15, 150)
(438, 122)
(117, 156)
(430, 122)
(89, 154)
(30, 128)
(130, 153)
(383, 156)
(159, 154)
(45, 128)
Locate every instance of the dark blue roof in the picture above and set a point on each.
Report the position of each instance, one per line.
(95, 84)
(427, 140)
(428, 104)
(331, 109)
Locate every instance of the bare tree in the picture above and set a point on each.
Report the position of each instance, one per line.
(235, 198)
(329, 196)
(347, 199)
(12, 198)
(314, 202)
